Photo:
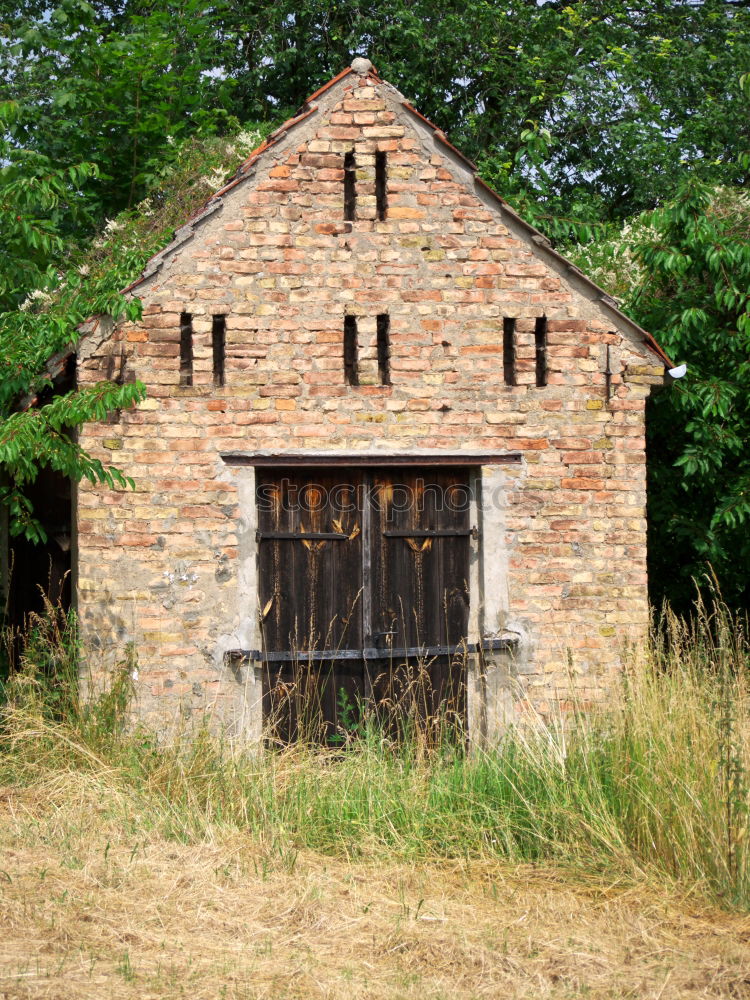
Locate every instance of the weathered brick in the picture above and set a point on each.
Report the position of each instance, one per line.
(284, 267)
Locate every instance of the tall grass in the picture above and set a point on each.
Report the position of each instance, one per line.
(654, 784)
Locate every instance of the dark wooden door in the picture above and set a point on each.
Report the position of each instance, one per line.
(364, 596)
(420, 591)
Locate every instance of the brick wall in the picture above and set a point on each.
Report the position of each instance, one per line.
(169, 566)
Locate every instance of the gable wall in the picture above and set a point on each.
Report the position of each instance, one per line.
(171, 566)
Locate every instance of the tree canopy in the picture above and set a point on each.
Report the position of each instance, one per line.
(596, 120)
(683, 270)
(596, 108)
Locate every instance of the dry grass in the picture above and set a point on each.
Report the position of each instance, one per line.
(91, 906)
(577, 860)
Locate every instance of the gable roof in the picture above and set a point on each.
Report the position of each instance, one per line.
(363, 69)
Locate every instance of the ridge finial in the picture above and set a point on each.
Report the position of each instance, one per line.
(361, 65)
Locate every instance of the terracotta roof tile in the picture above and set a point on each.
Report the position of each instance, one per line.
(439, 134)
(331, 82)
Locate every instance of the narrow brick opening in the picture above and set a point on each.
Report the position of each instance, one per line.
(509, 351)
(384, 348)
(186, 349)
(123, 376)
(351, 373)
(218, 342)
(381, 185)
(350, 187)
(540, 342)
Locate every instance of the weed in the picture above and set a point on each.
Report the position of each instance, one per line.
(125, 968)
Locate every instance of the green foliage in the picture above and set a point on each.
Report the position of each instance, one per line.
(47, 684)
(109, 87)
(47, 321)
(683, 271)
(595, 110)
(697, 300)
(40, 205)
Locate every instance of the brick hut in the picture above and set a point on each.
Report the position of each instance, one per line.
(388, 428)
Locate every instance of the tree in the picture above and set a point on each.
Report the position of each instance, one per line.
(39, 204)
(40, 207)
(697, 298)
(37, 427)
(683, 271)
(580, 112)
(65, 286)
(110, 86)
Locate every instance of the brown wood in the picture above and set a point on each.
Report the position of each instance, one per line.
(362, 562)
(309, 595)
(364, 460)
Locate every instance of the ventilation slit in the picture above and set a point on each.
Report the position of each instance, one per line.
(218, 342)
(381, 185)
(509, 351)
(351, 373)
(186, 349)
(540, 342)
(384, 348)
(350, 187)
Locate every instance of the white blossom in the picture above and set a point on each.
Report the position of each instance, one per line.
(37, 295)
(214, 180)
(248, 140)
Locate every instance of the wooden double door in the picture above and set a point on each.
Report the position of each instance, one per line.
(364, 597)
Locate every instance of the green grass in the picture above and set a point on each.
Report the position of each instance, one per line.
(656, 783)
